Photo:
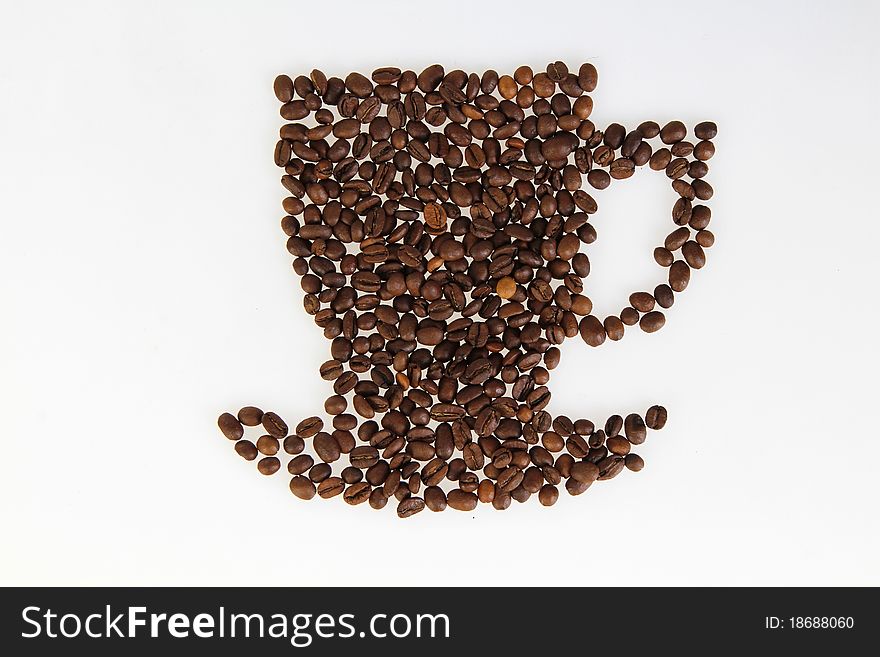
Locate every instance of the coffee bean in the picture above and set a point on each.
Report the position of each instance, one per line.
(250, 416)
(634, 429)
(309, 427)
(284, 88)
(693, 254)
(364, 457)
(584, 472)
(655, 418)
(634, 462)
(357, 493)
(592, 331)
(679, 276)
(319, 472)
(378, 499)
(268, 446)
(410, 506)
(274, 425)
(587, 77)
(461, 500)
(548, 495)
(673, 132)
(613, 425)
(704, 130)
(230, 426)
(246, 449)
(331, 487)
(642, 301)
(435, 218)
(293, 445)
(652, 321)
(575, 487)
(269, 465)
(302, 487)
(300, 464)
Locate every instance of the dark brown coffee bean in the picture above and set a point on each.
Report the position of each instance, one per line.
(584, 472)
(357, 493)
(435, 499)
(610, 467)
(246, 450)
(634, 462)
(300, 464)
(268, 465)
(319, 472)
(302, 487)
(274, 425)
(679, 275)
(309, 427)
(378, 499)
(618, 445)
(268, 446)
(587, 77)
(330, 487)
(655, 418)
(575, 487)
(250, 416)
(284, 88)
(548, 495)
(461, 500)
(653, 321)
(230, 426)
(642, 301)
(704, 130)
(693, 254)
(592, 331)
(664, 296)
(613, 425)
(364, 457)
(673, 132)
(410, 506)
(326, 447)
(634, 428)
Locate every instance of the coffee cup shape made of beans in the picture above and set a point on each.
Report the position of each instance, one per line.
(437, 220)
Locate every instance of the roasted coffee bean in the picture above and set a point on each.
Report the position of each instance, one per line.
(300, 464)
(584, 472)
(364, 457)
(634, 428)
(610, 467)
(302, 487)
(634, 462)
(548, 495)
(410, 506)
(655, 418)
(274, 425)
(592, 331)
(250, 416)
(330, 487)
(309, 427)
(246, 450)
(268, 465)
(230, 426)
(461, 500)
(613, 425)
(652, 321)
(357, 493)
(268, 446)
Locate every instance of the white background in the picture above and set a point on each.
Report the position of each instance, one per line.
(145, 288)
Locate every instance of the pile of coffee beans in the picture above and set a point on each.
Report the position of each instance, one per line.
(437, 221)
